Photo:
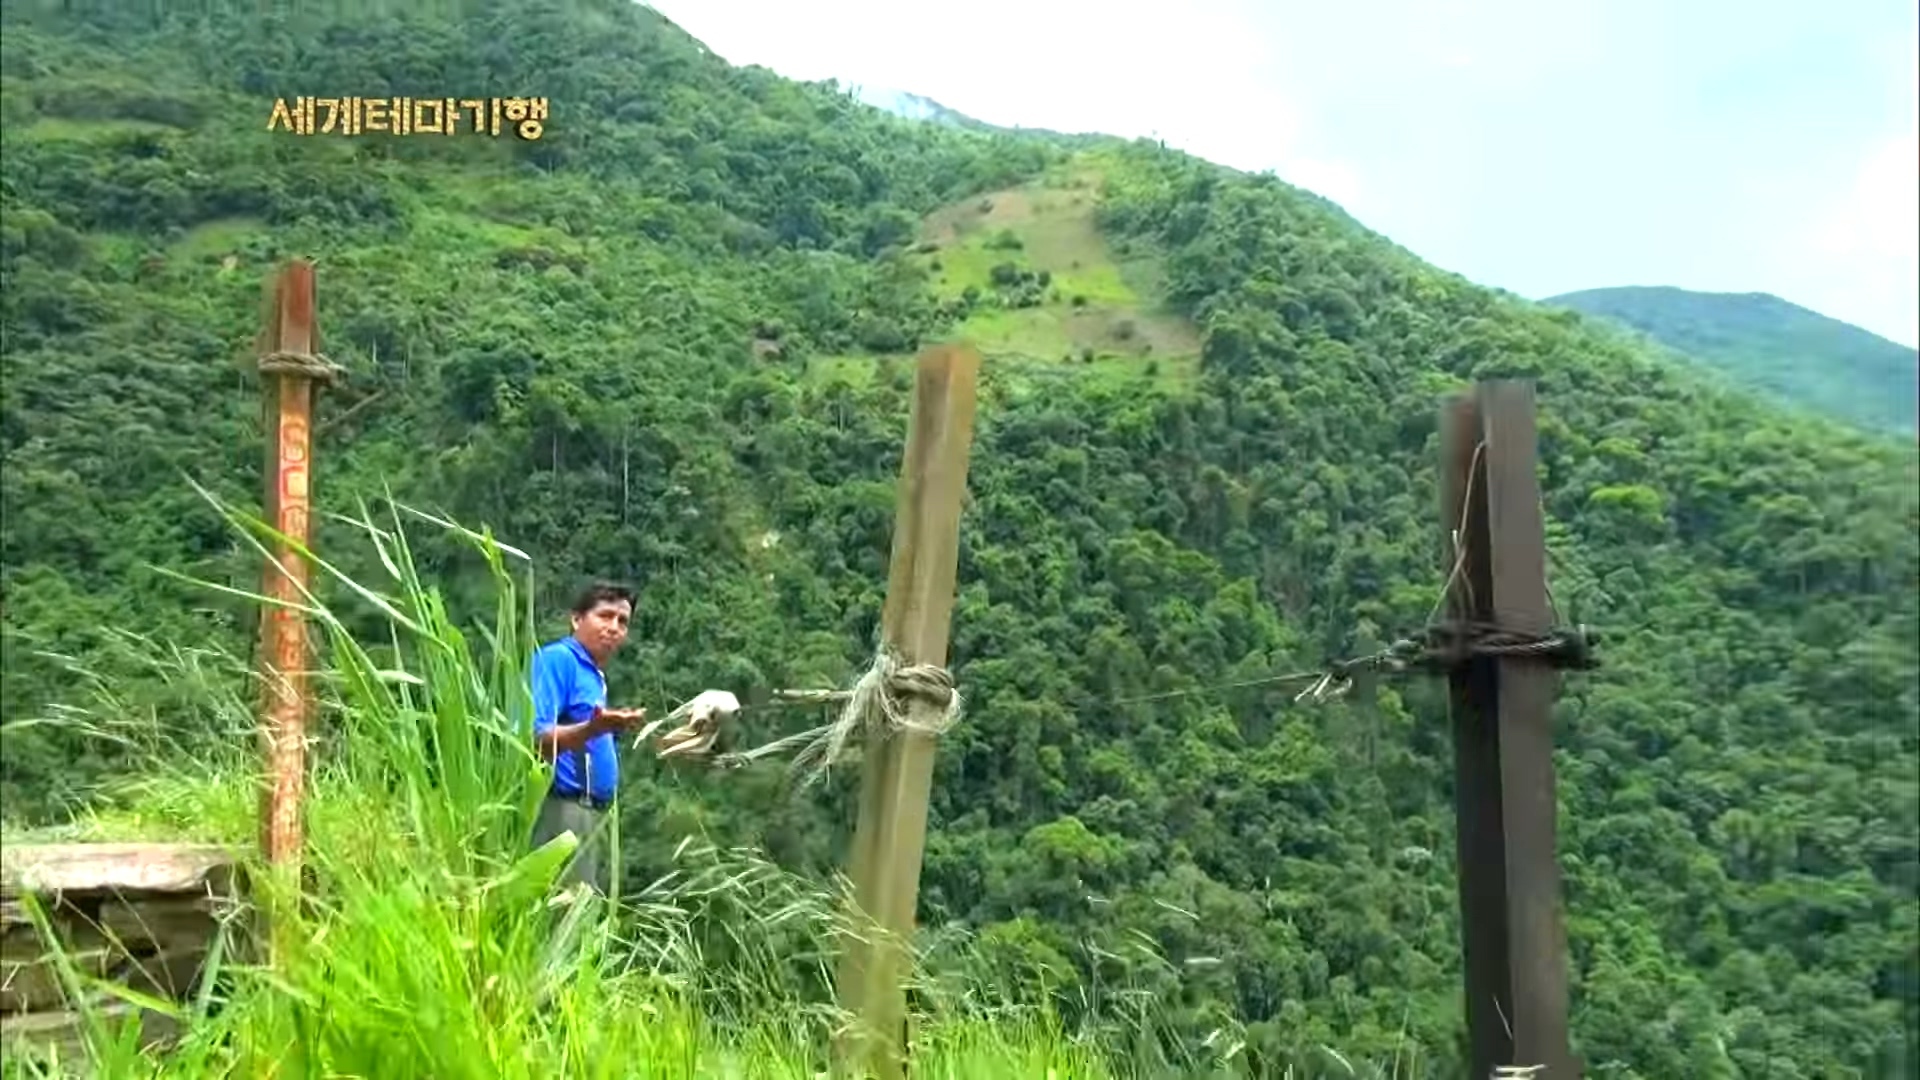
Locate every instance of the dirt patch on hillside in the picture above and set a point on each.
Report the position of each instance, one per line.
(1133, 333)
(1097, 301)
(997, 210)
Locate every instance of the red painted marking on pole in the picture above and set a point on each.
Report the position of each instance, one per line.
(290, 395)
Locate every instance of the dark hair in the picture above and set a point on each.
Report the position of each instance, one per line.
(601, 592)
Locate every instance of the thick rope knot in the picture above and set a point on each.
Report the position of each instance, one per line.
(1443, 646)
(1449, 644)
(882, 701)
(930, 683)
(313, 365)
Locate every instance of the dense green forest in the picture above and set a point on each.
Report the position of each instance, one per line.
(670, 341)
(1762, 342)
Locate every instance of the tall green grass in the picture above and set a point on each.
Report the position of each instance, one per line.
(428, 941)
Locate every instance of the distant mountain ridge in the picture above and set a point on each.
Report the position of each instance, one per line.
(912, 106)
(1774, 346)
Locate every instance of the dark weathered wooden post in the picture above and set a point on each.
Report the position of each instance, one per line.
(890, 839)
(291, 371)
(1513, 940)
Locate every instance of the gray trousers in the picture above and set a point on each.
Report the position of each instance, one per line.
(559, 815)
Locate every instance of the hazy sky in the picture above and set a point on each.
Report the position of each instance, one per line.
(1537, 145)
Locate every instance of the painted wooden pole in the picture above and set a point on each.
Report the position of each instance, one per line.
(291, 371)
(890, 839)
(1513, 940)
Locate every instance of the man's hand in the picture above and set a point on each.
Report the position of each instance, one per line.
(566, 738)
(619, 720)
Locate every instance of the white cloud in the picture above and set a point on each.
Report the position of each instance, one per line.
(1334, 179)
(1880, 216)
(1864, 245)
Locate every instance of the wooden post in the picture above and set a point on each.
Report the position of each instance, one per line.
(1513, 941)
(290, 367)
(890, 839)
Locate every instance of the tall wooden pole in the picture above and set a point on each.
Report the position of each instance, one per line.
(890, 839)
(1513, 940)
(290, 369)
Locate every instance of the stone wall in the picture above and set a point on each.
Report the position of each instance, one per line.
(141, 915)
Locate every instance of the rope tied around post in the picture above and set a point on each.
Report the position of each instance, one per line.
(1446, 644)
(313, 365)
(880, 701)
(1451, 643)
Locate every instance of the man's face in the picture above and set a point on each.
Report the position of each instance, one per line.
(603, 627)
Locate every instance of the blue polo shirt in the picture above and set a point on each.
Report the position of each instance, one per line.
(567, 687)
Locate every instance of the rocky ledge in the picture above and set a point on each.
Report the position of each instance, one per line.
(141, 915)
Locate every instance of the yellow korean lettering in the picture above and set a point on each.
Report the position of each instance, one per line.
(297, 118)
(479, 109)
(426, 117)
(526, 114)
(374, 114)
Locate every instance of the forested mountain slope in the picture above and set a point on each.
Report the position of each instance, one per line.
(667, 341)
(1765, 343)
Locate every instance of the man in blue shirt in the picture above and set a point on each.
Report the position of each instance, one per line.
(575, 730)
